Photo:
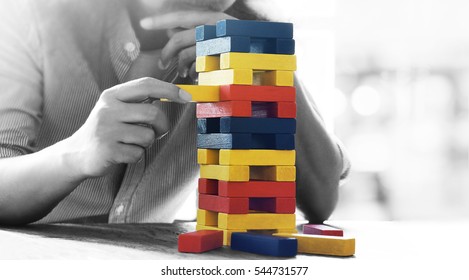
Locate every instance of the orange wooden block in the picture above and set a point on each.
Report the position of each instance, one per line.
(257, 93)
(223, 204)
(224, 109)
(208, 186)
(200, 241)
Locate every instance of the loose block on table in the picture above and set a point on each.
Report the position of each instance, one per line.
(264, 244)
(257, 61)
(207, 63)
(283, 205)
(226, 232)
(246, 109)
(257, 157)
(225, 172)
(241, 173)
(205, 32)
(243, 44)
(321, 244)
(253, 221)
(254, 28)
(243, 141)
(257, 93)
(253, 188)
(202, 93)
(222, 204)
(320, 229)
(207, 218)
(200, 241)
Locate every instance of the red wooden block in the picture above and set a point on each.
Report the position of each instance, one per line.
(257, 189)
(224, 109)
(257, 93)
(285, 110)
(230, 205)
(282, 205)
(200, 241)
(208, 186)
(320, 229)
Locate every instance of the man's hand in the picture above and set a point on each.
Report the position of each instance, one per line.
(180, 26)
(120, 126)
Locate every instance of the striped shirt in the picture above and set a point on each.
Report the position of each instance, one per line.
(56, 58)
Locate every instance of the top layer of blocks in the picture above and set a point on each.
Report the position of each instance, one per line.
(245, 36)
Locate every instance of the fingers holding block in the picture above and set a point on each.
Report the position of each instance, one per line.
(200, 241)
(202, 93)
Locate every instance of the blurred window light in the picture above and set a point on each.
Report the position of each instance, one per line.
(369, 151)
(366, 100)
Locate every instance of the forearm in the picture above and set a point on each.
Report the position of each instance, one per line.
(319, 165)
(32, 185)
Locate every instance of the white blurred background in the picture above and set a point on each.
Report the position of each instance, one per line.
(392, 80)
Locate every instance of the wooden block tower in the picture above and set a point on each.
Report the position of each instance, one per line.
(246, 125)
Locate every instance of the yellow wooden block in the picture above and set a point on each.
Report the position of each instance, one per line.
(226, 232)
(272, 231)
(207, 156)
(274, 78)
(201, 93)
(207, 63)
(257, 157)
(226, 77)
(257, 61)
(323, 244)
(239, 173)
(273, 173)
(256, 221)
(207, 218)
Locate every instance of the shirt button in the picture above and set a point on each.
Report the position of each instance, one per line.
(130, 47)
(119, 209)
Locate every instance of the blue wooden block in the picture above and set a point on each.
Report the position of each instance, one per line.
(211, 125)
(253, 28)
(246, 141)
(224, 141)
(246, 45)
(205, 32)
(264, 244)
(257, 125)
(223, 45)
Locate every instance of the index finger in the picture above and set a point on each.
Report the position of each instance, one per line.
(144, 88)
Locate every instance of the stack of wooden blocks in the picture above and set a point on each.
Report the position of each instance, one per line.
(246, 138)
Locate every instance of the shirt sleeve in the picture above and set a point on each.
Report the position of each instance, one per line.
(20, 79)
(346, 164)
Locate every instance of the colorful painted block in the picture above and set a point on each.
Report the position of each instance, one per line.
(255, 221)
(202, 93)
(246, 109)
(222, 204)
(257, 61)
(208, 186)
(264, 244)
(244, 141)
(225, 172)
(272, 173)
(252, 28)
(320, 229)
(257, 157)
(207, 63)
(207, 218)
(205, 32)
(274, 78)
(243, 44)
(228, 76)
(257, 93)
(322, 244)
(255, 188)
(281, 205)
(226, 232)
(200, 241)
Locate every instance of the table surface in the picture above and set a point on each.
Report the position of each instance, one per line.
(374, 240)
